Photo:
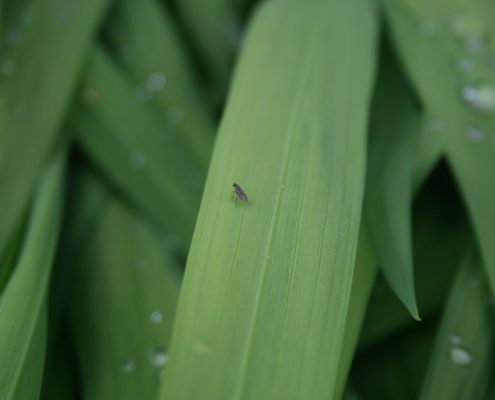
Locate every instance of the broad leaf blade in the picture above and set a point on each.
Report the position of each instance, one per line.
(267, 289)
(35, 96)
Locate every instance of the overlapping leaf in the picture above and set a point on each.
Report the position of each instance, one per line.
(123, 306)
(436, 42)
(462, 358)
(129, 143)
(22, 303)
(42, 73)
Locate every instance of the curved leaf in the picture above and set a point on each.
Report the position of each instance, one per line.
(388, 201)
(22, 302)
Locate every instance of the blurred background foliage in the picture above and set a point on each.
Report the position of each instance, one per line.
(363, 132)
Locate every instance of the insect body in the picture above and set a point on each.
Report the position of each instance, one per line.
(241, 195)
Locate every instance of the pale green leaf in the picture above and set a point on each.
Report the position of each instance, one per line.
(264, 306)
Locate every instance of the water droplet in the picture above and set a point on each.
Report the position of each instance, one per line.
(143, 93)
(460, 357)
(13, 38)
(156, 81)
(475, 134)
(480, 98)
(159, 358)
(127, 366)
(427, 29)
(455, 339)
(469, 93)
(175, 115)
(486, 98)
(466, 64)
(435, 124)
(474, 44)
(470, 30)
(156, 317)
(137, 160)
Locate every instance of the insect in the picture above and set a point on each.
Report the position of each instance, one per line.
(240, 194)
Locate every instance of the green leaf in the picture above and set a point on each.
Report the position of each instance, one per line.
(162, 65)
(10, 254)
(22, 302)
(429, 150)
(123, 306)
(215, 28)
(29, 382)
(364, 277)
(432, 38)
(441, 237)
(461, 361)
(264, 306)
(127, 142)
(35, 96)
(388, 199)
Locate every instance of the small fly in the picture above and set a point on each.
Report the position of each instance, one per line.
(240, 194)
